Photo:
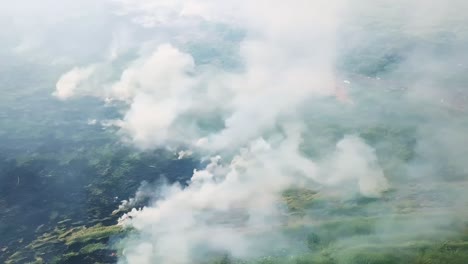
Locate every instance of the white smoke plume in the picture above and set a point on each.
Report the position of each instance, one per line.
(284, 64)
(287, 63)
(71, 81)
(226, 206)
(251, 120)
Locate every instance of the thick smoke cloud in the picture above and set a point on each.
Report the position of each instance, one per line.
(257, 122)
(226, 206)
(296, 56)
